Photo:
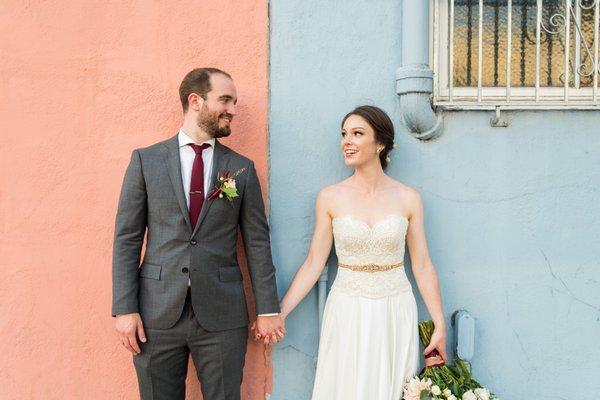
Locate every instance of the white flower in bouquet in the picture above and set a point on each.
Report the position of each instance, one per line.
(436, 390)
(469, 395)
(482, 393)
(414, 387)
(452, 397)
(447, 393)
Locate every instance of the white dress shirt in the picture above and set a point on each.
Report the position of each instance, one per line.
(186, 158)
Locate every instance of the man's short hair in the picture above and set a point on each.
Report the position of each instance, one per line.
(197, 81)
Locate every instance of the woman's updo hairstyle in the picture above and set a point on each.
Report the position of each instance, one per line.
(382, 126)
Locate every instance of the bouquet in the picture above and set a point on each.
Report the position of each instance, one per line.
(439, 381)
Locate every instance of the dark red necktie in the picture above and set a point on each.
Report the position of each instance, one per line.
(197, 184)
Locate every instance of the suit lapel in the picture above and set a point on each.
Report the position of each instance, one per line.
(220, 160)
(174, 167)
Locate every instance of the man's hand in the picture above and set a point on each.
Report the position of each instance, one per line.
(269, 329)
(128, 326)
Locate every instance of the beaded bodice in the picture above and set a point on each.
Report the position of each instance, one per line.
(361, 248)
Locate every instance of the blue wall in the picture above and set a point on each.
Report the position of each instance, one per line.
(512, 214)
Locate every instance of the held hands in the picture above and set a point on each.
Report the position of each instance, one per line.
(437, 346)
(269, 329)
(129, 327)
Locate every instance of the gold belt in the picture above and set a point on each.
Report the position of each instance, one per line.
(371, 267)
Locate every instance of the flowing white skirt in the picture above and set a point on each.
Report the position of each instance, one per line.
(368, 347)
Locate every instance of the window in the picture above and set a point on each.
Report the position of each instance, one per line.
(516, 53)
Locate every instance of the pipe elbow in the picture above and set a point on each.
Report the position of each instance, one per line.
(414, 85)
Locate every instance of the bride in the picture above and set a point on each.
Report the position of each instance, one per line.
(369, 338)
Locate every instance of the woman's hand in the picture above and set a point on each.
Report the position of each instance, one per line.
(437, 345)
(273, 335)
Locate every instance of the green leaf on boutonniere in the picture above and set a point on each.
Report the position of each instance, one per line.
(230, 192)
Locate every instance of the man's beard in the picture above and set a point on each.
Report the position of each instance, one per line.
(209, 122)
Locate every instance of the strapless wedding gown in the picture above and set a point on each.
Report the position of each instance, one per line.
(369, 341)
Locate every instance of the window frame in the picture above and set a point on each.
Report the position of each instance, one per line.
(486, 97)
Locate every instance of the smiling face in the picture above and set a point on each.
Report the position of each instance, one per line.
(359, 146)
(219, 107)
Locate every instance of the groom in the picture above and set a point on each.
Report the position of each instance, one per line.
(187, 295)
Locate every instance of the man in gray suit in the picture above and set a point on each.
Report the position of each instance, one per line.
(187, 295)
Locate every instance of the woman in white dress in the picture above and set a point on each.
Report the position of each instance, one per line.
(369, 339)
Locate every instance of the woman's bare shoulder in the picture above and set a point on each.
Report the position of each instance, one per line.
(332, 197)
(407, 193)
(335, 190)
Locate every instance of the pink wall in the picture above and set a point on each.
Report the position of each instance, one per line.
(83, 83)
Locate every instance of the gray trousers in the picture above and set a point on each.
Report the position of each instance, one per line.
(219, 357)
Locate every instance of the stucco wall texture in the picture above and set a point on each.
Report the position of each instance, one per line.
(83, 84)
(512, 214)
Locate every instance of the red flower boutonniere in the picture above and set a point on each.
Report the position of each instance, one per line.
(226, 186)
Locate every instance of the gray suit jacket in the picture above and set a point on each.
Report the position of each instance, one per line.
(153, 204)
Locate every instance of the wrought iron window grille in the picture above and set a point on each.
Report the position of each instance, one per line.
(515, 54)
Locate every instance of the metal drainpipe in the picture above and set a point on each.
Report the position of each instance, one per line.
(322, 293)
(414, 79)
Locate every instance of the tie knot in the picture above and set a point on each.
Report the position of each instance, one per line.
(199, 148)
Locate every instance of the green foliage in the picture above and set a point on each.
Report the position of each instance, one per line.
(230, 192)
(456, 377)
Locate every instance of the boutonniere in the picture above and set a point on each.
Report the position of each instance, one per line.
(226, 187)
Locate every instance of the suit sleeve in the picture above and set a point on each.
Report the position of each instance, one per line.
(130, 228)
(255, 233)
